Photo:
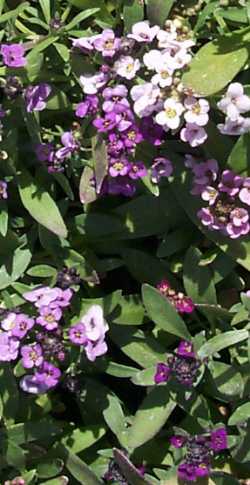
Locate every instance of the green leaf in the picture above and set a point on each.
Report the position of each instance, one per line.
(221, 478)
(87, 192)
(80, 17)
(3, 218)
(133, 12)
(120, 370)
(216, 64)
(128, 469)
(33, 431)
(240, 415)
(239, 158)
(58, 102)
(63, 51)
(8, 393)
(42, 271)
(150, 417)
(78, 469)
(197, 279)
(115, 418)
(40, 205)
(15, 455)
(146, 268)
(80, 439)
(45, 6)
(227, 379)
(64, 183)
(158, 11)
(41, 46)
(34, 64)
(206, 12)
(100, 157)
(13, 14)
(144, 377)
(234, 14)
(163, 313)
(222, 341)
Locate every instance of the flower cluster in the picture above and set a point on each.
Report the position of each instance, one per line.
(183, 365)
(182, 303)
(126, 109)
(199, 451)
(90, 333)
(55, 157)
(234, 104)
(227, 195)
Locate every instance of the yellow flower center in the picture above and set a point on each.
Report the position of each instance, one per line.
(170, 112)
(109, 44)
(130, 67)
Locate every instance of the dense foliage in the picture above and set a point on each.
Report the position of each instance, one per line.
(124, 242)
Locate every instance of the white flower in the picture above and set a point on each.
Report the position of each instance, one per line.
(209, 194)
(152, 59)
(234, 102)
(164, 37)
(94, 323)
(170, 117)
(142, 32)
(235, 127)
(127, 66)
(197, 110)
(146, 98)
(92, 83)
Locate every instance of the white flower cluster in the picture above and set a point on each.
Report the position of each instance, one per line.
(234, 104)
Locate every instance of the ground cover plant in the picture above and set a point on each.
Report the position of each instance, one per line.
(124, 242)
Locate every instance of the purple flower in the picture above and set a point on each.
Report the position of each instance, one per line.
(137, 170)
(49, 317)
(185, 349)
(230, 183)
(69, 145)
(178, 441)
(107, 123)
(31, 356)
(48, 374)
(32, 385)
(187, 472)
(142, 32)
(9, 347)
(114, 96)
(3, 190)
(9, 321)
(183, 304)
(244, 194)
(13, 55)
(194, 134)
(127, 67)
(35, 97)
(95, 349)
(120, 166)
(87, 107)
(84, 43)
(218, 439)
(23, 323)
(45, 152)
(77, 334)
(107, 43)
(63, 298)
(235, 127)
(131, 137)
(125, 117)
(151, 132)
(162, 373)
(121, 185)
(42, 296)
(161, 167)
(239, 223)
(115, 145)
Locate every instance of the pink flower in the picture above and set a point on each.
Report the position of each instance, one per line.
(13, 55)
(239, 223)
(127, 67)
(31, 356)
(49, 375)
(234, 102)
(49, 317)
(95, 349)
(142, 32)
(177, 441)
(84, 43)
(9, 347)
(230, 183)
(193, 134)
(77, 334)
(244, 194)
(42, 296)
(197, 110)
(107, 43)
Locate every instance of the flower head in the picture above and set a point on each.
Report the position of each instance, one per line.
(170, 117)
(48, 374)
(197, 111)
(234, 102)
(3, 190)
(31, 356)
(162, 373)
(13, 55)
(9, 347)
(142, 32)
(91, 84)
(244, 194)
(106, 43)
(127, 67)
(35, 97)
(162, 167)
(193, 134)
(49, 317)
(87, 107)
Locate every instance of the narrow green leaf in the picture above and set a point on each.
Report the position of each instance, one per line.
(40, 204)
(80, 17)
(3, 218)
(80, 439)
(15, 455)
(150, 417)
(42, 271)
(63, 51)
(78, 469)
(115, 418)
(45, 6)
(222, 341)
(128, 469)
(163, 313)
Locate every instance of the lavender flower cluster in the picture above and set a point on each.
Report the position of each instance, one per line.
(227, 195)
(233, 105)
(199, 452)
(183, 365)
(40, 341)
(181, 302)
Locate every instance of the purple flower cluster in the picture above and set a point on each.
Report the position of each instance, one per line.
(227, 195)
(3, 190)
(21, 335)
(183, 365)
(90, 333)
(55, 157)
(35, 97)
(199, 451)
(182, 303)
(234, 104)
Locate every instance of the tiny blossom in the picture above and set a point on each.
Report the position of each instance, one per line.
(48, 374)
(87, 107)
(13, 55)
(146, 97)
(127, 67)
(218, 439)
(42, 296)
(244, 194)
(49, 317)
(197, 111)
(131, 137)
(69, 145)
(235, 127)
(185, 349)
(239, 223)
(30, 384)
(45, 152)
(84, 43)
(31, 356)
(152, 59)
(194, 134)
(77, 334)
(35, 97)
(9, 321)
(23, 324)
(162, 373)
(106, 43)
(119, 166)
(170, 117)
(9, 347)
(91, 84)
(230, 183)
(161, 167)
(137, 170)
(234, 102)
(142, 32)
(209, 194)
(3, 190)
(107, 123)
